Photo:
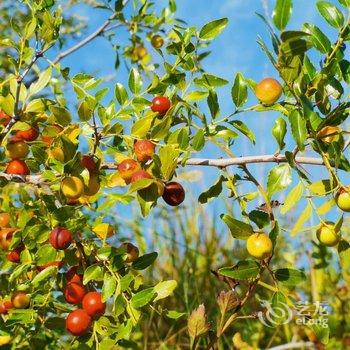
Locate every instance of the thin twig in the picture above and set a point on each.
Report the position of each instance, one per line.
(85, 41)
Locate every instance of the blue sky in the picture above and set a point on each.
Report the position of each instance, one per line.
(236, 50)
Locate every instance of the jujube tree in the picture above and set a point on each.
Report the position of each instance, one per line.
(67, 280)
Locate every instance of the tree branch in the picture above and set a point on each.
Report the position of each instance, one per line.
(219, 163)
(85, 41)
(225, 162)
(294, 345)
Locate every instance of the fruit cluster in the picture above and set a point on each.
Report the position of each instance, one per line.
(78, 322)
(17, 147)
(131, 170)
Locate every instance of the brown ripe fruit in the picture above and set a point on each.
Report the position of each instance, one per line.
(144, 150)
(30, 134)
(17, 167)
(174, 193)
(5, 306)
(60, 238)
(72, 275)
(329, 134)
(6, 234)
(20, 300)
(88, 163)
(93, 305)
(127, 168)
(140, 175)
(78, 322)
(16, 149)
(161, 105)
(4, 219)
(4, 118)
(131, 251)
(74, 293)
(157, 41)
(268, 91)
(15, 255)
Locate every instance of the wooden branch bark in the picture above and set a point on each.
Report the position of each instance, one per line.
(219, 163)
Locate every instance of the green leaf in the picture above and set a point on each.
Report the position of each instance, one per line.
(238, 229)
(282, 13)
(198, 141)
(292, 198)
(196, 96)
(142, 298)
(344, 256)
(144, 261)
(305, 215)
(173, 314)
(42, 81)
(279, 131)
(109, 286)
(84, 111)
(260, 218)
(290, 277)
(209, 80)
(299, 129)
(278, 179)
(141, 184)
(135, 81)
(330, 13)
(321, 188)
(62, 115)
(279, 302)
(121, 94)
(44, 275)
(293, 47)
(212, 29)
(93, 273)
(213, 192)
(244, 269)
(141, 127)
(345, 3)
(322, 332)
(164, 289)
(168, 156)
(213, 103)
(239, 91)
(243, 128)
(319, 40)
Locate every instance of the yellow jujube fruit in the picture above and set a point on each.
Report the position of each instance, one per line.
(268, 91)
(259, 245)
(72, 187)
(327, 234)
(103, 230)
(17, 149)
(57, 153)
